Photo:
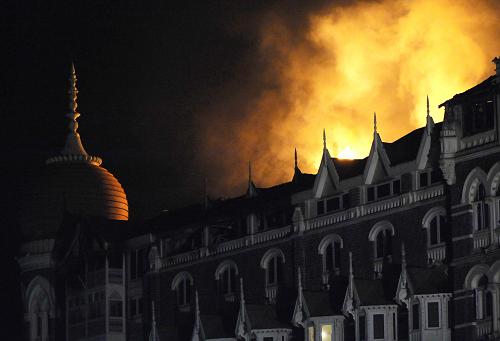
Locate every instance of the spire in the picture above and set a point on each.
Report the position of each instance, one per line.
(73, 144)
(300, 310)
(153, 334)
(197, 321)
(299, 286)
(351, 277)
(73, 148)
(242, 293)
(251, 190)
(205, 194)
(242, 325)
(403, 287)
(324, 138)
(374, 122)
(349, 300)
(296, 169)
(428, 110)
(296, 163)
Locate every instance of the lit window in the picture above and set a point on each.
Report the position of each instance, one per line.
(310, 333)
(326, 332)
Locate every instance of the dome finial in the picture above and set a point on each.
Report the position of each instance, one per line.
(73, 150)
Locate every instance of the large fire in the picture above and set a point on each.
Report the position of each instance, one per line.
(348, 62)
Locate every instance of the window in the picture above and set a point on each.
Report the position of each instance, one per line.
(182, 285)
(384, 243)
(415, 314)
(423, 179)
(115, 308)
(481, 209)
(329, 248)
(433, 315)
(272, 262)
(437, 230)
(326, 332)
(362, 327)
(378, 326)
(274, 269)
(135, 307)
(227, 280)
(478, 116)
(310, 333)
(484, 299)
(137, 263)
(383, 190)
(332, 204)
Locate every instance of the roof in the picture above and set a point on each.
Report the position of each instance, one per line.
(213, 327)
(371, 292)
(319, 303)
(484, 85)
(349, 168)
(405, 148)
(428, 280)
(263, 316)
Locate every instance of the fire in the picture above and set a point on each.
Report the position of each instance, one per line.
(347, 62)
(347, 153)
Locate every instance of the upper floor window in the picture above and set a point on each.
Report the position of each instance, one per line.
(225, 275)
(329, 248)
(137, 259)
(481, 209)
(272, 262)
(383, 190)
(415, 314)
(182, 285)
(378, 326)
(381, 234)
(428, 177)
(484, 299)
(478, 116)
(332, 204)
(433, 315)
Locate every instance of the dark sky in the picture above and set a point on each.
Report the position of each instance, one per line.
(146, 73)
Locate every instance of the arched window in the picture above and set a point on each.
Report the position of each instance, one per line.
(182, 285)
(39, 295)
(477, 279)
(481, 209)
(382, 233)
(272, 262)
(329, 248)
(225, 275)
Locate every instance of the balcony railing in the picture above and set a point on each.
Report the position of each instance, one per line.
(484, 327)
(377, 266)
(415, 335)
(481, 239)
(436, 253)
(271, 293)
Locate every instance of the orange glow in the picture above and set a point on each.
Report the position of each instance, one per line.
(350, 61)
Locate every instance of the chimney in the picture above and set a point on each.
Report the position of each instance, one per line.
(496, 60)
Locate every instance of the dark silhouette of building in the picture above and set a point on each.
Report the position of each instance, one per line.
(400, 245)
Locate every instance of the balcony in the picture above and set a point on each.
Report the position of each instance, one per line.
(484, 327)
(377, 267)
(271, 293)
(436, 253)
(482, 239)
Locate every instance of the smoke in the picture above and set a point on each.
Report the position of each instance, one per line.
(331, 67)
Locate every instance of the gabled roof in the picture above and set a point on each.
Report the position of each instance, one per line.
(484, 85)
(371, 292)
(319, 303)
(429, 280)
(263, 316)
(405, 148)
(214, 328)
(347, 168)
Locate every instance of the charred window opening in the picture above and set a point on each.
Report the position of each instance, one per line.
(478, 116)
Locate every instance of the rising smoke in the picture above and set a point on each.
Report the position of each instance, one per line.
(332, 66)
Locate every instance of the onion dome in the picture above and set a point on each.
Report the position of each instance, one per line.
(72, 183)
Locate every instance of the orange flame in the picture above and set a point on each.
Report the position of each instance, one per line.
(384, 56)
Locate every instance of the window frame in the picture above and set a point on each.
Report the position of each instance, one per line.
(439, 317)
(392, 190)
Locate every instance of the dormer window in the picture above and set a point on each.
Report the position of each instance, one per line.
(332, 204)
(428, 177)
(478, 116)
(382, 190)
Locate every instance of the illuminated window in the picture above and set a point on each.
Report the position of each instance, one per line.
(310, 333)
(326, 332)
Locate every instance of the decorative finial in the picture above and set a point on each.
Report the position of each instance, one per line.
(296, 163)
(374, 122)
(324, 138)
(249, 171)
(153, 311)
(428, 109)
(153, 333)
(73, 150)
(197, 303)
(242, 293)
(205, 194)
(403, 254)
(299, 278)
